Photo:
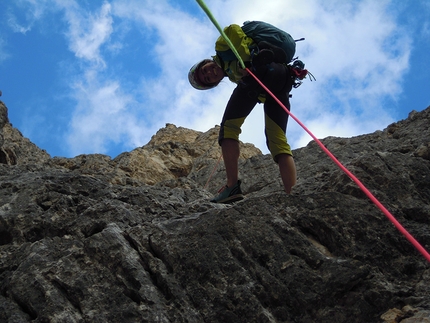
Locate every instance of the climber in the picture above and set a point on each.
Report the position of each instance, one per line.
(269, 63)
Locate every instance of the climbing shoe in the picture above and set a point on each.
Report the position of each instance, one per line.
(229, 194)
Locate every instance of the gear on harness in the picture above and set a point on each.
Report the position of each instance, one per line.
(266, 53)
(298, 72)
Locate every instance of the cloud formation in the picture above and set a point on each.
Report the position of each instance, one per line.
(88, 32)
(131, 58)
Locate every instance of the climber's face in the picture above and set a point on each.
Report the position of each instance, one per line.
(210, 73)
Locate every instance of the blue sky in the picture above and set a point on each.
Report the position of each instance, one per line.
(81, 76)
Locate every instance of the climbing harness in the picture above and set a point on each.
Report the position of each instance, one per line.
(387, 213)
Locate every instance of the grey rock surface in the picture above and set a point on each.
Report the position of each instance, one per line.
(135, 238)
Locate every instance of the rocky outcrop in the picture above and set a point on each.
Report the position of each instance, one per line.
(135, 238)
(14, 147)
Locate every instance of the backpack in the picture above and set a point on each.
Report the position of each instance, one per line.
(263, 31)
(246, 38)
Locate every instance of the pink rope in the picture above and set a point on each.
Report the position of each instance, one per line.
(408, 236)
(210, 176)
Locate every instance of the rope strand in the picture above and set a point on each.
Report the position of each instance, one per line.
(408, 236)
(213, 171)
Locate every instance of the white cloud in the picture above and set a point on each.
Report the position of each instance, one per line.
(358, 56)
(33, 10)
(355, 49)
(88, 32)
(346, 48)
(104, 115)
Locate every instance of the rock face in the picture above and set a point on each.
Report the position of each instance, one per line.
(134, 238)
(14, 147)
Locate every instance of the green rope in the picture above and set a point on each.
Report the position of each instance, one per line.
(229, 43)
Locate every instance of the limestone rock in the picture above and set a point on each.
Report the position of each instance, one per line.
(135, 238)
(14, 148)
(172, 153)
(407, 314)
